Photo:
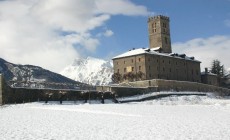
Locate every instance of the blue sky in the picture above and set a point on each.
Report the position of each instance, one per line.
(188, 20)
(51, 33)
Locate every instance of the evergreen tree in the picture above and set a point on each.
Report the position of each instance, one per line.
(217, 68)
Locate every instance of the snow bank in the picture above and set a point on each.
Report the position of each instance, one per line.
(166, 118)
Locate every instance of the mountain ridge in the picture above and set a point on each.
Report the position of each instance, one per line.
(90, 70)
(34, 76)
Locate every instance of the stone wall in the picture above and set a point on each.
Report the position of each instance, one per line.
(156, 85)
(173, 85)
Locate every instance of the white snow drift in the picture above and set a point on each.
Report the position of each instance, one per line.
(185, 117)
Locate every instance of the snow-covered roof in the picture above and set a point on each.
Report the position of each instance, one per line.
(154, 51)
(208, 73)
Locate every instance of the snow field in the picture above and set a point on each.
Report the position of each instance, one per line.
(185, 117)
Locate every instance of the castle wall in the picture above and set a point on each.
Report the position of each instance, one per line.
(132, 64)
(157, 85)
(159, 67)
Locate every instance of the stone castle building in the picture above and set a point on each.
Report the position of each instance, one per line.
(157, 61)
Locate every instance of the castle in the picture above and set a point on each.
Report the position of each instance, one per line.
(157, 61)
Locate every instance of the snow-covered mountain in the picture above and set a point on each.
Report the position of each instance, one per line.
(34, 77)
(90, 70)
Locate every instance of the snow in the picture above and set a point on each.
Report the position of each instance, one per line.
(90, 70)
(151, 51)
(185, 117)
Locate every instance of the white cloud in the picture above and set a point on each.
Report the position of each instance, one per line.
(108, 33)
(46, 32)
(124, 7)
(206, 49)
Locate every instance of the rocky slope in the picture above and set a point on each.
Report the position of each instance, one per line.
(34, 77)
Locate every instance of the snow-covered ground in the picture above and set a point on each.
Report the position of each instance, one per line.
(185, 117)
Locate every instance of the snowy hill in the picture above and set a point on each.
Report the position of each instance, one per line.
(33, 76)
(90, 70)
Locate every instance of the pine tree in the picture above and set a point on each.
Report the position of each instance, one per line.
(217, 68)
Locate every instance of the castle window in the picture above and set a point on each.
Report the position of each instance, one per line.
(139, 68)
(139, 59)
(132, 68)
(155, 30)
(124, 70)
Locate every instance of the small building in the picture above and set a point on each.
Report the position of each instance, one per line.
(209, 78)
(157, 61)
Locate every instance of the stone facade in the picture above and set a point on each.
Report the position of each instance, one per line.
(155, 66)
(209, 78)
(159, 33)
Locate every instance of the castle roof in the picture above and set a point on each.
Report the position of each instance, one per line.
(153, 51)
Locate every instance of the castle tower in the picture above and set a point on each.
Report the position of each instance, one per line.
(159, 33)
